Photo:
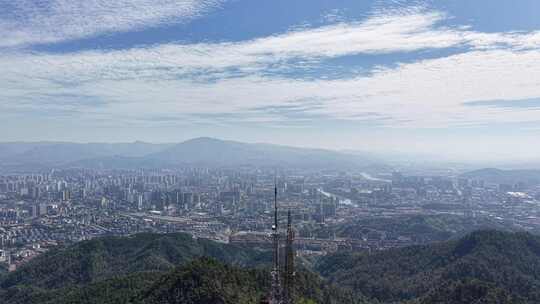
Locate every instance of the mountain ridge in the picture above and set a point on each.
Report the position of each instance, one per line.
(201, 151)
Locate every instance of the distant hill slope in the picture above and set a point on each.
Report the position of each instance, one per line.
(195, 152)
(483, 267)
(27, 156)
(498, 176)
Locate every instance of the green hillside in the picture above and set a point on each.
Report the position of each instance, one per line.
(106, 257)
(208, 281)
(483, 267)
(203, 280)
(155, 268)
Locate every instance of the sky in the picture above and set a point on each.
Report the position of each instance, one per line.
(459, 79)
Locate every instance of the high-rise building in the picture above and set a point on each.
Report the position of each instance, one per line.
(42, 209)
(66, 195)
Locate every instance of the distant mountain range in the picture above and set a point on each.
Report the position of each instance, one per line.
(498, 176)
(195, 152)
(209, 152)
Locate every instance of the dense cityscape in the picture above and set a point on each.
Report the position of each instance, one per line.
(42, 210)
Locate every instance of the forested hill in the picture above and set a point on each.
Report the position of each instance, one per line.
(155, 268)
(201, 281)
(483, 267)
(102, 258)
(225, 284)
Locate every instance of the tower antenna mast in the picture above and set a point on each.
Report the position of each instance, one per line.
(276, 288)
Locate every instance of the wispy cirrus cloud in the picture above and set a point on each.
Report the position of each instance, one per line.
(26, 22)
(395, 32)
(229, 80)
(429, 93)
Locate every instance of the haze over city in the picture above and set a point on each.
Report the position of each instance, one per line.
(269, 152)
(453, 79)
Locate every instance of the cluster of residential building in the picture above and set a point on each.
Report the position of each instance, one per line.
(60, 207)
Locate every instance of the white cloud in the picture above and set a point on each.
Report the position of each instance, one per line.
(392, 33)
(169, 80)
(24, 22)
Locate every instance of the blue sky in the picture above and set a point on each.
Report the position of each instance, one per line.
(460, 79)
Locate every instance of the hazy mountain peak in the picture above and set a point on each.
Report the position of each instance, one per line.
(208, 140)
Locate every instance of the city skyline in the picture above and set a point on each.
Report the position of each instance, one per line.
(452, 78)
